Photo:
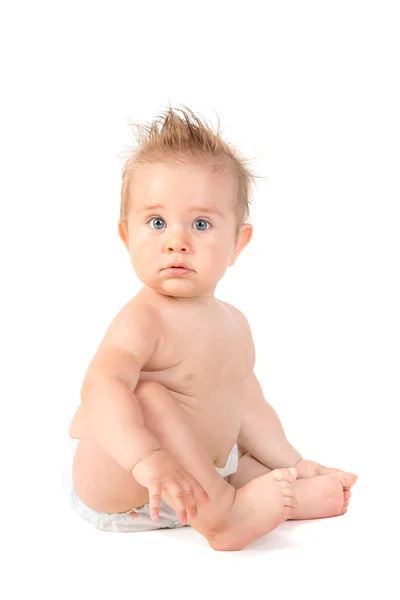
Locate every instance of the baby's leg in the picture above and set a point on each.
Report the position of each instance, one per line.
(225, 520)
(317, 497)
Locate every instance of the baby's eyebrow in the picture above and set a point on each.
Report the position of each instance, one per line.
(201, 209)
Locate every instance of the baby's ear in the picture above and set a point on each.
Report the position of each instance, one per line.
(242, 239)
(123, 233)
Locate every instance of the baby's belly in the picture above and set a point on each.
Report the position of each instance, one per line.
(215, 420)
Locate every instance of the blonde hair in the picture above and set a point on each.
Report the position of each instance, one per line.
(171, 136)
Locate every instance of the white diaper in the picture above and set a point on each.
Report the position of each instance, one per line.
(124, 522)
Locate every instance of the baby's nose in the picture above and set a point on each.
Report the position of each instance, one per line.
(177, 244)
(176, 248)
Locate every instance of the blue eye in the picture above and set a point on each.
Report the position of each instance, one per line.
(204, 222)
(158, 223)
(157, 219)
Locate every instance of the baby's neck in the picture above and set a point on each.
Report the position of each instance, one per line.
(203, 299)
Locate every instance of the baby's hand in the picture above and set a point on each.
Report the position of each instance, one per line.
(309, 468)
(161, 472)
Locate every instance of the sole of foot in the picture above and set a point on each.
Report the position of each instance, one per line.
(323, 496)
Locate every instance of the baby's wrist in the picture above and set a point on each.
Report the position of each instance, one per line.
(146, 456)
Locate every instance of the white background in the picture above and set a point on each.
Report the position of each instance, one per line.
(310, 90)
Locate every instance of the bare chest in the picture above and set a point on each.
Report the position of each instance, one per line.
(199, 354)
(201, 359)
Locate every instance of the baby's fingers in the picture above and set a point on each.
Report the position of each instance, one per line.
(176, 493)
(198, 489)
(154, 501)
(191, 503)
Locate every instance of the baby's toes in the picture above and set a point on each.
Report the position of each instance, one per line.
(289, 495)
(290, 505)
(289, 498)
(346, 496)
(284, 478)
(329, 470)
(287, 489)
(284, 475)
(347, 479)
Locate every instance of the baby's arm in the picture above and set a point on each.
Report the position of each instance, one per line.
(261, 432)
(113, 415)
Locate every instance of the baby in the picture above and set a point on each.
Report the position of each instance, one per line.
(173, 428)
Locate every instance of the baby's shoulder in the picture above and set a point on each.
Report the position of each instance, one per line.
(139, 306)
(135, 317)
(237, 314)
(245, 331)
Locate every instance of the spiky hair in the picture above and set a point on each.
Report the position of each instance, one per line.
(186, 137)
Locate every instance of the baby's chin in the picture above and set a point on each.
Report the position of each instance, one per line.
(178, 287)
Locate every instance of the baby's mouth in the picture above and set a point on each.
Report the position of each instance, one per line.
(178, 270)
(178, 267)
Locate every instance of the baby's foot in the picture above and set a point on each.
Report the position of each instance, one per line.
(323, 496)
(258, 508)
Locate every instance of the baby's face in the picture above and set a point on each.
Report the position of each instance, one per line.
(181, 212)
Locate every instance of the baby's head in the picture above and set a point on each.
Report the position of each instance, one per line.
(185, 199)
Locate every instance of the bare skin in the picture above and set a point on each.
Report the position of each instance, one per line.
(204, 415)
(207, 380)
(201, 361)
(317, 497)
(214, 326)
